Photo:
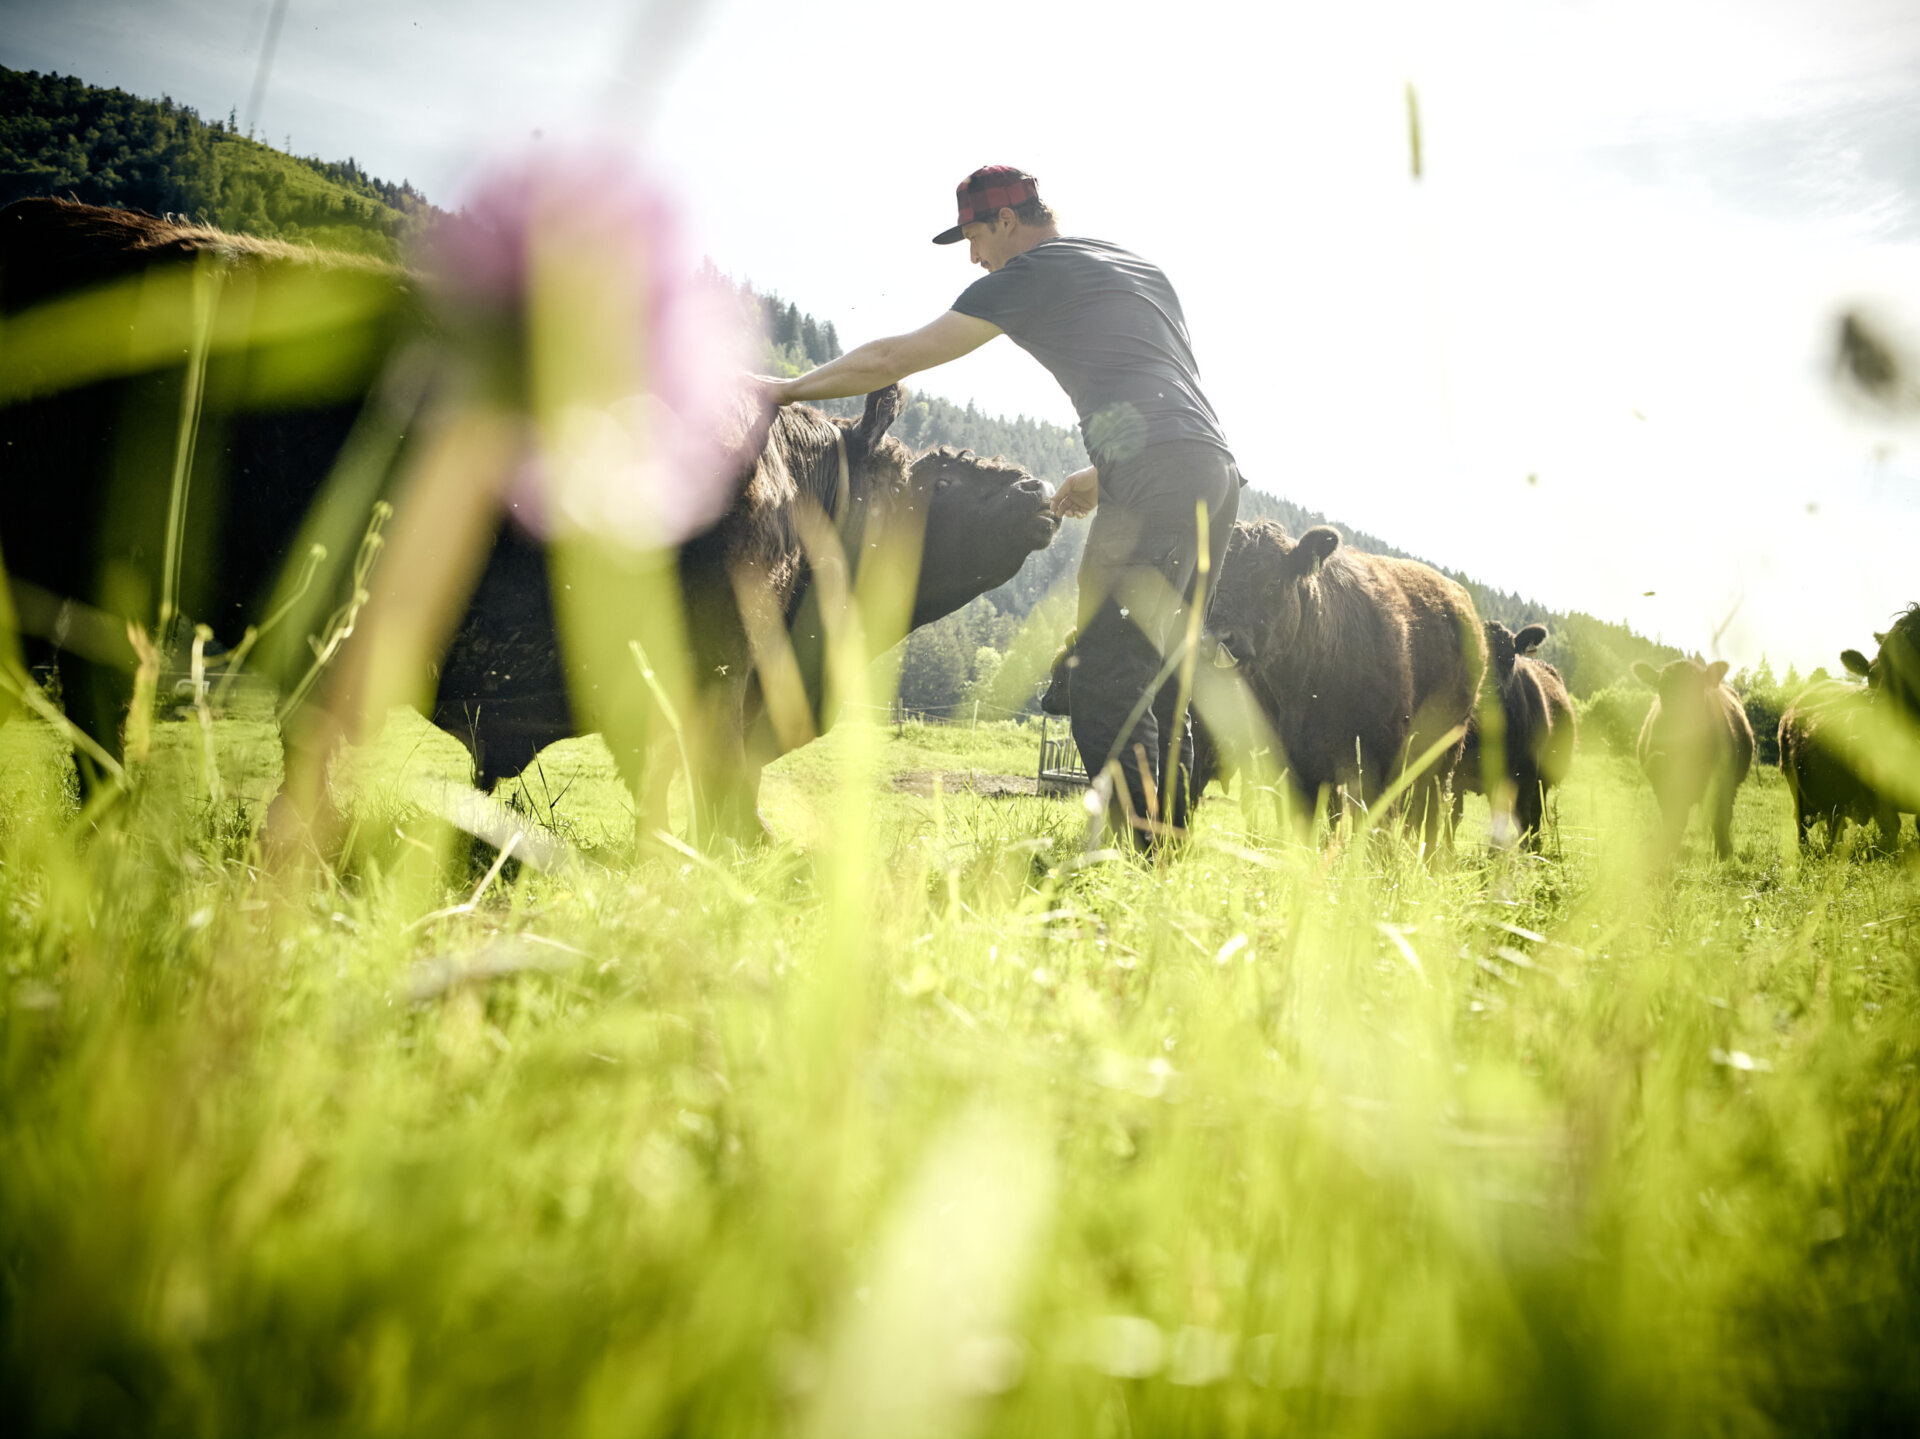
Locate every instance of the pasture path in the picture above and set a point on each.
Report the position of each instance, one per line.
(921, 782)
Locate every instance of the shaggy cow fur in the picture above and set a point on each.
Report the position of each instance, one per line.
(1537, 727)
(1360, 662)
(1818, 732)
(1892, 719)
(1893, 674)
(1696, 746)
(988, 515)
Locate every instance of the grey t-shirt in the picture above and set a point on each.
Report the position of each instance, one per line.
(1109, 327)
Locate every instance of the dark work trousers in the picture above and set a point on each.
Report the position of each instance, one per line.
(1138, 582)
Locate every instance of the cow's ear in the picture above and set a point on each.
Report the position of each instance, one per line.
(1494, 629)
(1315, 545)
(1716, 672)
(883, 408)
(1855, 662)
(1529, 639)
(1646, 674)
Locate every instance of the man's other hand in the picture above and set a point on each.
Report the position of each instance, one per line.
(1079, 493)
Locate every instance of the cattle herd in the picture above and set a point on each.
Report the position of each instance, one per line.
(1373, 679)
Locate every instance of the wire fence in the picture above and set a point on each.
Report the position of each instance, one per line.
(1058, 768)
(968, 713)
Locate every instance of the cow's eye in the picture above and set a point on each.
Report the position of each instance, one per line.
(943, 482)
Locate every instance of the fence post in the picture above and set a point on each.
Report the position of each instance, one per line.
(974, 728)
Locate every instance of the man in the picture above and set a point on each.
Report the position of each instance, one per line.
(1110, 329)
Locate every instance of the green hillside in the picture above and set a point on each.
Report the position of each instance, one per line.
(61, 136)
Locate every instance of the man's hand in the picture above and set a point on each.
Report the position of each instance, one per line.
(1079, 493)
(773, 389)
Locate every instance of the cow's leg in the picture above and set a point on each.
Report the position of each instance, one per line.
(1722, 803)
(465, 726)
(727, 804)
(727, 771)
(96, 699)
(1427, 798)
(1886, 824)
(1673, 821)
(735, 813)
(1529, 805)
(647, 770)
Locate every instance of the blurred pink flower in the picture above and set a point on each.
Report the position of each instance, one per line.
(565, 281)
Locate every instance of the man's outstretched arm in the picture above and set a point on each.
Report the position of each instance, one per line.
(879, 363)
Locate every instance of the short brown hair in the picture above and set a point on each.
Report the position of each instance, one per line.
(1034, 212)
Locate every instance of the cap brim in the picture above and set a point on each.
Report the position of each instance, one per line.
(947, 237)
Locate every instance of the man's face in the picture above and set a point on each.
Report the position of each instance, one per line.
(990, 245)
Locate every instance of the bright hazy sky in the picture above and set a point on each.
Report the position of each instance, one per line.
(1586, 356)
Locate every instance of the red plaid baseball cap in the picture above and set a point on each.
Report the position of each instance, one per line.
(985, 193)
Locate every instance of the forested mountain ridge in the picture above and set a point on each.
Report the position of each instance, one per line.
(61, 136)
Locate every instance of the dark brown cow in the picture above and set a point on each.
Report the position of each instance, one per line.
(1893, 674)
(1822, 735)
(1360, 662)
(1537, 727)
(503, 689)
(1696, 746)
(1890, 758)
(307, 349)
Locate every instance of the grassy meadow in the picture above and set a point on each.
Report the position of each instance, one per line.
(924, 1120)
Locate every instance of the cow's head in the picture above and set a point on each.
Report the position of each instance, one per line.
(1057, 697)
(1894, 671)
(1690, 707)
(1504, 646)
(1256, 603)
(983, 518)
(1680, 680)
